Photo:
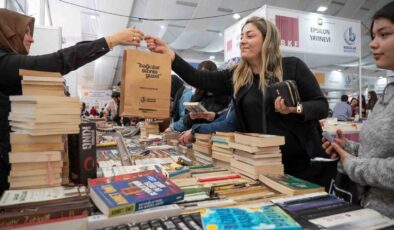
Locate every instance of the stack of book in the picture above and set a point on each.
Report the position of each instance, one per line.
(27, 207)
(151, 128)
(256, 154)
(222, 153)
(202, 148)
(36, 160)
(171, 137)
(43, 115)
(39, 119)
(42, 83)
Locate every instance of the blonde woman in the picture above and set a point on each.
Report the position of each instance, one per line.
(261, 65)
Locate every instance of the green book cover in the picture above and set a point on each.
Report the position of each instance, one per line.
(293, 182)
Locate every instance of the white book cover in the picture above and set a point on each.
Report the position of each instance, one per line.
(13, 197)
(345, 218)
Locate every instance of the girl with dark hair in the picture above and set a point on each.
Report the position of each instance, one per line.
(372, 99)
(370, 163)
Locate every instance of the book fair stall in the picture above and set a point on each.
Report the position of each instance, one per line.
(83, 172)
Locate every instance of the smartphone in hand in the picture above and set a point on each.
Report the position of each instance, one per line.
(328, 136)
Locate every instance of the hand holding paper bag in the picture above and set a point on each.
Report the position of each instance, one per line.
(146, 84)
(155, 44)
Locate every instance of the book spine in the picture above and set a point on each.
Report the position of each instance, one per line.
(328, 210)
(211, 179)
(82, 151)
(178, 172)
(308, 205)
(41, 217)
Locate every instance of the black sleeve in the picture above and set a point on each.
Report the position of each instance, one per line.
(63, 61)
(314, 103)
(217, 82)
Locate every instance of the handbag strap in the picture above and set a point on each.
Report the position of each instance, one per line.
(263, 110)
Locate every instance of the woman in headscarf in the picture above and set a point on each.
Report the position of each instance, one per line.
(16, 37)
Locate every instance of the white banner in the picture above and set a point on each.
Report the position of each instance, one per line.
(304, 32)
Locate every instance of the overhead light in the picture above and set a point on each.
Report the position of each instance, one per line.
(322, 9)
(92, 17)
(236, 16)
(211, 57)
(163, 27)
(220, 34)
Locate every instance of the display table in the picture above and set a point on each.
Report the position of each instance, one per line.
(350, 130)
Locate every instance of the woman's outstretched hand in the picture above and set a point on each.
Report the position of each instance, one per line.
(128, 36)
(157, 45)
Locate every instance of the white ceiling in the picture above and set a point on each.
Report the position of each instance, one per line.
(194, 40)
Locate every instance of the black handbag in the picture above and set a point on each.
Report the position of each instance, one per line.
(287, 90)
(346, 189)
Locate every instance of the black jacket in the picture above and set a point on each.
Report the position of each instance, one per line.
(62, 61)
(302, 132)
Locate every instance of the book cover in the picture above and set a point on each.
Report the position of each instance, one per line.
(347, 219)
(82, 153)
(265, 217)
(194, 107)
(290, 185)
(141, 191)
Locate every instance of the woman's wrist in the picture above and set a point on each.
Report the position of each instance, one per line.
(110, 42)
(172, 54)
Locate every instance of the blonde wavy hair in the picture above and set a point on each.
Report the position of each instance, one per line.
(270, 55)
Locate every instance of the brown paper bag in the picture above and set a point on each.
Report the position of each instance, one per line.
(146, 84)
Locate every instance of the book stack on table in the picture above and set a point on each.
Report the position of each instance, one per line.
(256, 154)
(40, 118)
(202, 148)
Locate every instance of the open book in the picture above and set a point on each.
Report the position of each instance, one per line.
(194, 107)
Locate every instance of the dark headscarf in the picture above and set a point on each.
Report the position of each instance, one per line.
(12, 30)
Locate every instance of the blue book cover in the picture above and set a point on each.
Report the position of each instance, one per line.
(265, 217)
(330, 200)
(134, 194)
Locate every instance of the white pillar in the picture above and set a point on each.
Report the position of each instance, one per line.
(2, 3)
(42, 12)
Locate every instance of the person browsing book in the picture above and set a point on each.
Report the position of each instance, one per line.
(225, 122)
(179, 95)
(215, 104)
(370, 163)
(256, 111)
(16, 37)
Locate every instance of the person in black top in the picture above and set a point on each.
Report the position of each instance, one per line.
(16, 36)
(261, 65)
(214, 103)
